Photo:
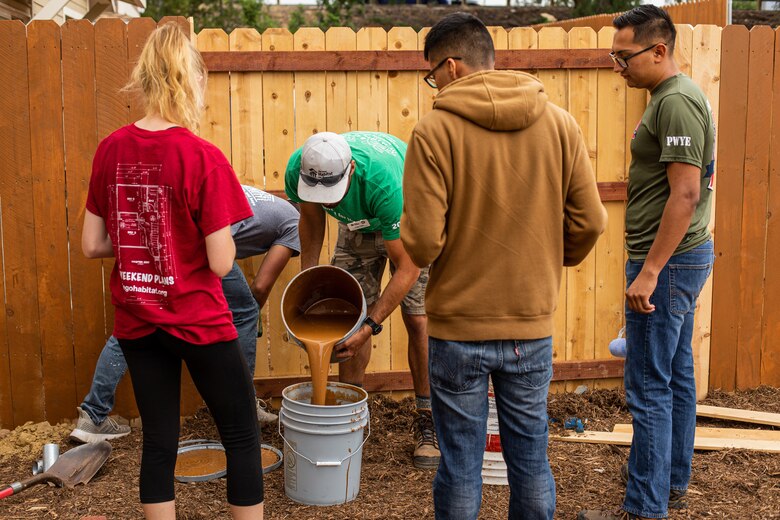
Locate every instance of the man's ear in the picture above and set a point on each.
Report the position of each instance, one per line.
(452, 67)
(660, 52)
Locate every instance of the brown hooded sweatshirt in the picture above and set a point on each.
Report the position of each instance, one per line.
(499, 195)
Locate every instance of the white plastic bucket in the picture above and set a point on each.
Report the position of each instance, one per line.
(494, 469)
(323, 445)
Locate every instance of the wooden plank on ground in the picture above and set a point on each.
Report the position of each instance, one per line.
(18, 227)
(581, 279)
(80, 133)
(611, 152)
(732, 128)
(770, 353)
(705, 72)
(736, 414)
(51, 232)
(701, 443)
(720, 433)
(754, 206)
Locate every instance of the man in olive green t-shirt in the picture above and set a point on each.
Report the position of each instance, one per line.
(356, 178)
(670, 257)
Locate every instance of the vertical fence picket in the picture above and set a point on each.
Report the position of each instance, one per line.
(770, 354)
(51, 238)
(754, 206)
(19, 251)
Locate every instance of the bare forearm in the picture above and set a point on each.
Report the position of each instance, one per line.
(312, 232)
(674, 224)
(394, 293)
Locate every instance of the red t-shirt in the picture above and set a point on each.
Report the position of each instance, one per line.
(161, 193)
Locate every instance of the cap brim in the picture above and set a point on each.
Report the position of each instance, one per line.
(323, 194)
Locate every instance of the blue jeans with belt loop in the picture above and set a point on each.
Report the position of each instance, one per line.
(111, 365)
(521, 371)
(660, 383)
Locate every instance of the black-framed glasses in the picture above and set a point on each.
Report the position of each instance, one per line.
(623, 62)
(328, 182)
(429, 79)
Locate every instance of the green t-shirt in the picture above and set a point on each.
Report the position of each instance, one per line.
(677, 126)
(374, 194)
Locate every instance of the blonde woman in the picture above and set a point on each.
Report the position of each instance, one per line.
(161, 201)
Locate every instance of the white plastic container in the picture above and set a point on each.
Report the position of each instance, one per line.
(323, 445)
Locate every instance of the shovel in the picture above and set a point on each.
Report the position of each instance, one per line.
(75, 466)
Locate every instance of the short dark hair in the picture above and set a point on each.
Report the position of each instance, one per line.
(464, 35)
(650, 25)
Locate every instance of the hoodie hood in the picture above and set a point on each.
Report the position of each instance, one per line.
(495, 99)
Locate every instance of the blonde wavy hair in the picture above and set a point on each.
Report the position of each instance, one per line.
(170, 76)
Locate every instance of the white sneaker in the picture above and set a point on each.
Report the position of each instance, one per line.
(88, 431)
(263, 415)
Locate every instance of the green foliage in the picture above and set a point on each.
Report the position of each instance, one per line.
(220, 14)
(591, 7)
(338, 13)
(297, 19)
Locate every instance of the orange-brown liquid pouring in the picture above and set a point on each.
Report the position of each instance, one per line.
(319, 329)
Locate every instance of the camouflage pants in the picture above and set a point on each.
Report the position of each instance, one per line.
(363, 255)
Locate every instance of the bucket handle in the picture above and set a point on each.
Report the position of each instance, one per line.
(318, 464)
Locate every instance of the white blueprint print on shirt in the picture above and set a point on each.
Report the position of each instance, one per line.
(144, 250)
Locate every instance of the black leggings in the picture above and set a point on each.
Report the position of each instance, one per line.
(222, 378)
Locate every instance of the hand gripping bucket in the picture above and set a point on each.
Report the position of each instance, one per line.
(323, 445)
(314, 285)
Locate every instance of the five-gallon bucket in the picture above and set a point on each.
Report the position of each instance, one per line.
(323, 445)
(313, 288)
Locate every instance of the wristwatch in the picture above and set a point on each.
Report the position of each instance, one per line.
(375, 327)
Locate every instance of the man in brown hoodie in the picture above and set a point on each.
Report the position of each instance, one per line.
(499, 195)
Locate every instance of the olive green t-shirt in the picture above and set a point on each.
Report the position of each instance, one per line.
(677, 126)
(374, 200)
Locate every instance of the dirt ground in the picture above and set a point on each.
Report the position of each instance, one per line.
(728, 484)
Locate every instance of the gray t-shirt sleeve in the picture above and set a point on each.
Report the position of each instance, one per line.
(274, 222)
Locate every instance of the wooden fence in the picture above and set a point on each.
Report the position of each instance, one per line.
(66, 84)
(701, 12)
(746, 317)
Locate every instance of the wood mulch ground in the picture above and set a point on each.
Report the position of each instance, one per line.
(729, 484)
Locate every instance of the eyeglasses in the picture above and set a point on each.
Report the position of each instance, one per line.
(429, 79)
(328, 182)
(623, 62)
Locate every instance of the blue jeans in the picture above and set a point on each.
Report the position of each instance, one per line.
(111, 365)
(521, 371)
(660, 384)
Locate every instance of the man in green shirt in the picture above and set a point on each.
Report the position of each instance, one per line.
(356, 178)
(670, 257)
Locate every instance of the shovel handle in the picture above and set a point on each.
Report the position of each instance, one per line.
(17, 487)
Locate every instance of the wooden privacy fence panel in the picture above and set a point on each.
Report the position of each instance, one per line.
(57, 313)
(701, 12)
(746, 298)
